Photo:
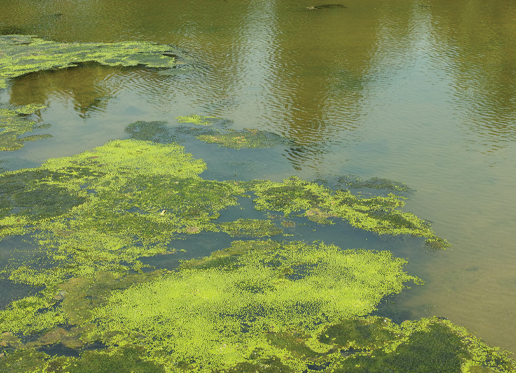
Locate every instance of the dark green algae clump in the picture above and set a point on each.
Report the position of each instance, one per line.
(256, 306)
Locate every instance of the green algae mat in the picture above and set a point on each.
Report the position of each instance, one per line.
(263, 303)
(259, 305)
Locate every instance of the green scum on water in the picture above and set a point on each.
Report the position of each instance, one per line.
(260, 305)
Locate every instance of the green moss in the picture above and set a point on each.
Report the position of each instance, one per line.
(23, 54)
(14, 123)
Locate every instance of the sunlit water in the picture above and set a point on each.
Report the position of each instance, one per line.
(423, 92)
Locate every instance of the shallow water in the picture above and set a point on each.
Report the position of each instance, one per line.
(423, 92)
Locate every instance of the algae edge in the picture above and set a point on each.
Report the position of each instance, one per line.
(15, 122)
(23, 54)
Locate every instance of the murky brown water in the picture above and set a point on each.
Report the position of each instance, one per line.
(423, 92)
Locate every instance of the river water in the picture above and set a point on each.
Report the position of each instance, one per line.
(423, 92)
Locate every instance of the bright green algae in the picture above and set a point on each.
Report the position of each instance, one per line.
(23, 54)
(105, 208)
(14, 123)
(109, 206)
(256, 306)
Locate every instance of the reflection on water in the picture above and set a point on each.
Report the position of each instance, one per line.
(86, 87)
(421, 92)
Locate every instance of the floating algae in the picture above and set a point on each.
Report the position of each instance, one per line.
(23, 54)
(14, 123)
(321, 204)
(256, 306)
(103, 209)
(202, 120)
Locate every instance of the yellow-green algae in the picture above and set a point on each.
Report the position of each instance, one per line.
(14, 122)
(257, 306)
(105, 208)
(200, 120)
(23, 54)
(320, 204)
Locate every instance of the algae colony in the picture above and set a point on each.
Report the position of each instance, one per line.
(266, 302)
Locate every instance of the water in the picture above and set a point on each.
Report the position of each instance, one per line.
(422, 92)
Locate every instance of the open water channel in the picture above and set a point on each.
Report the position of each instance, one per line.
(419, 91)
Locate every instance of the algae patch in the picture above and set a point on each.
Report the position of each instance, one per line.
(227, 137)
(321, 204)
(23, 54)
(255, 306)
(14, 123)
(103, 209)
(245, 139)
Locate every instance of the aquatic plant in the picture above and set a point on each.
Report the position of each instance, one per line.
(245, 139)
(200, 120)
(23, 54)
(202, 309)
(107, 207)
(255, 306)
(14, 123)
(321, 204)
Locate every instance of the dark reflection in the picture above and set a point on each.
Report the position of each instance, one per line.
(475, 41)
(89, 87)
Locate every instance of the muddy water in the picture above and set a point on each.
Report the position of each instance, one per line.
(422, 92)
